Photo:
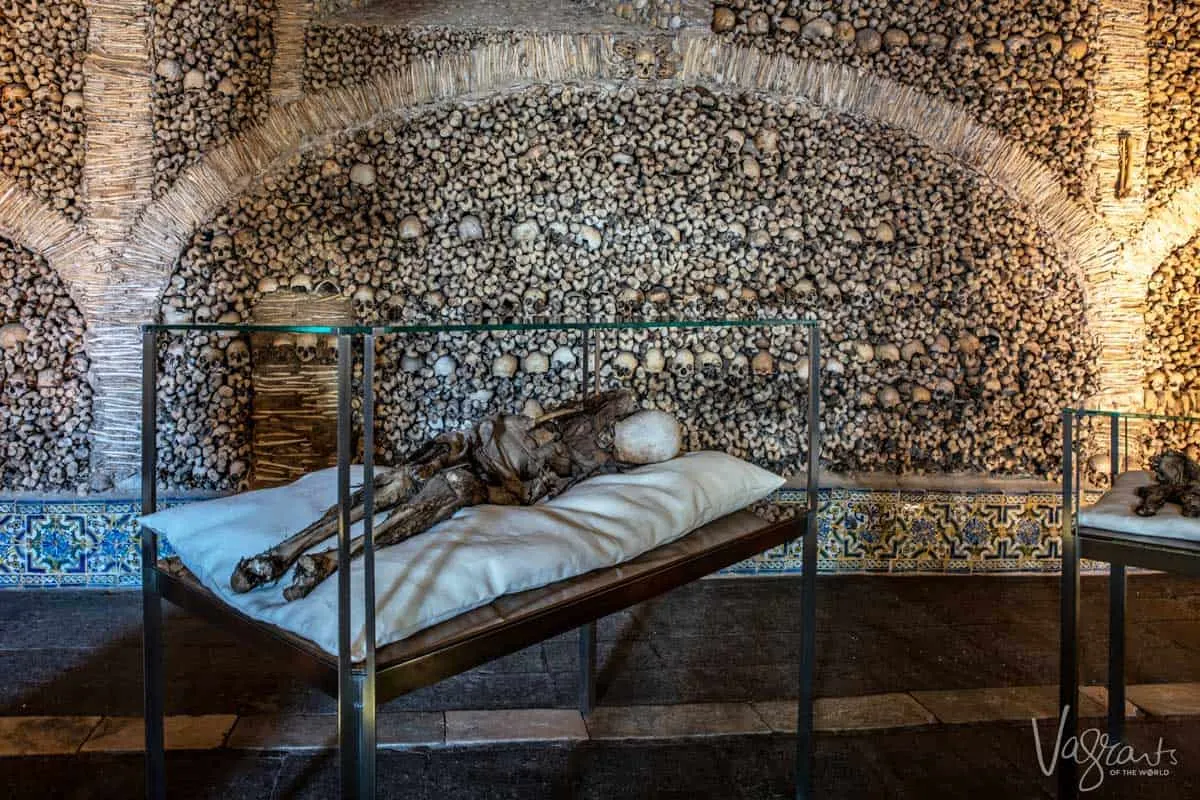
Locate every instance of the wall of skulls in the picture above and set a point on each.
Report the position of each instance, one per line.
(1173, 39)
(346, 55)
(1173, 339)
(1025, 69)
(42, 46)
(667, 14)
(951, 344)
(212, 71)
(45, 400)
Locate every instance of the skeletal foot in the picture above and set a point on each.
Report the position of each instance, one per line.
(255, 571)
(310, 570)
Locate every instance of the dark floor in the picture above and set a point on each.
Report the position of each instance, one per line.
(72, 653)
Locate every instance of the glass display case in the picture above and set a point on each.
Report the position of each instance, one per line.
(389, 671)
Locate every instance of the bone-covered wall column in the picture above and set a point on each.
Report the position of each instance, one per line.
(287, 69)
(118, 176)
(1121, 104)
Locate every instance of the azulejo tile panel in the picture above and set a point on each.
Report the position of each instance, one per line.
(67, 543)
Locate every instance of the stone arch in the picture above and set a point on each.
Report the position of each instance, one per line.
(29, 222)
(165, 226)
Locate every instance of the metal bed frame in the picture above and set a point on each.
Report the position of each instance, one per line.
(1119, 550)
(359, 687)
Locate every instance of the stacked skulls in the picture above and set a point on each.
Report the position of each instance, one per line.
(954, 332)
(45, 399)
(212, 71)
(42, 46)
(1173, 38)
(1025, 69)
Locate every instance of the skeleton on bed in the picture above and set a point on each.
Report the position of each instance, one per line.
(505, 459)
(1178, 482)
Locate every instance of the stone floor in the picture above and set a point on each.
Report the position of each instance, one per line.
(929, 685)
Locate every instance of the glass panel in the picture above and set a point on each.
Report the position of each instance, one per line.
(484, 327)
(1096, 412)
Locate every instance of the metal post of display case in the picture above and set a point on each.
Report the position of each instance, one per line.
(808, 578)
(349, 689)
(1068, 679)
(366, 695)
(1116, 612)
(152, 619)
(587, 631)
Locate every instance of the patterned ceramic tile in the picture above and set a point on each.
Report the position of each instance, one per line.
(95, 543)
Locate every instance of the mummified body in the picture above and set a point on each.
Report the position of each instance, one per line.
(505, 460)
(1178, 481)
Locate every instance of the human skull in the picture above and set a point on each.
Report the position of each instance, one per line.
(411, 363)
(12, 335)
(763, 364)
(647, 437)
(267, 285)
(563, 358)
(624, 364)
(13, 98)
(394, 308)
(534, 301)
(629, 301)
(445, 366)
(175, 356)
(302, 283)
(660, 296)
(209, 357)
(221, 247)
(306, 347)
(739, 365)
(654, 361)
(943, 390)
(645, 63)
(283, 347)
(711, 364)
(364, 302)
(237, 354)
(505, 366)
(536, 363)
(684, 364)
(16, 383)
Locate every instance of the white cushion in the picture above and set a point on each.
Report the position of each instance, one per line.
(1114, 512)
(479, 554)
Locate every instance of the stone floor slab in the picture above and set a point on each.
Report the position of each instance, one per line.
(44, 736)
(646, 722)
(1005, 703)
(840, 714)
(1100, 695)
(514, 725)
(127, 734)
(1166, 699)
(319, 731)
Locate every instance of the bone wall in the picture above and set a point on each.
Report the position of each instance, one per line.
(1174, 147)
(345, 55)
(212, 72)
(45, 400)
(954, 330)
(1173, 340)
(658, 13)
(1022, 68)
(42, 46)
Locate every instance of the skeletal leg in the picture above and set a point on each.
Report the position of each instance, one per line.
(392, 487)
(438, 499)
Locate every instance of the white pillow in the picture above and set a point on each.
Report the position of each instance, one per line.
(479, 554)
(1114, 512)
